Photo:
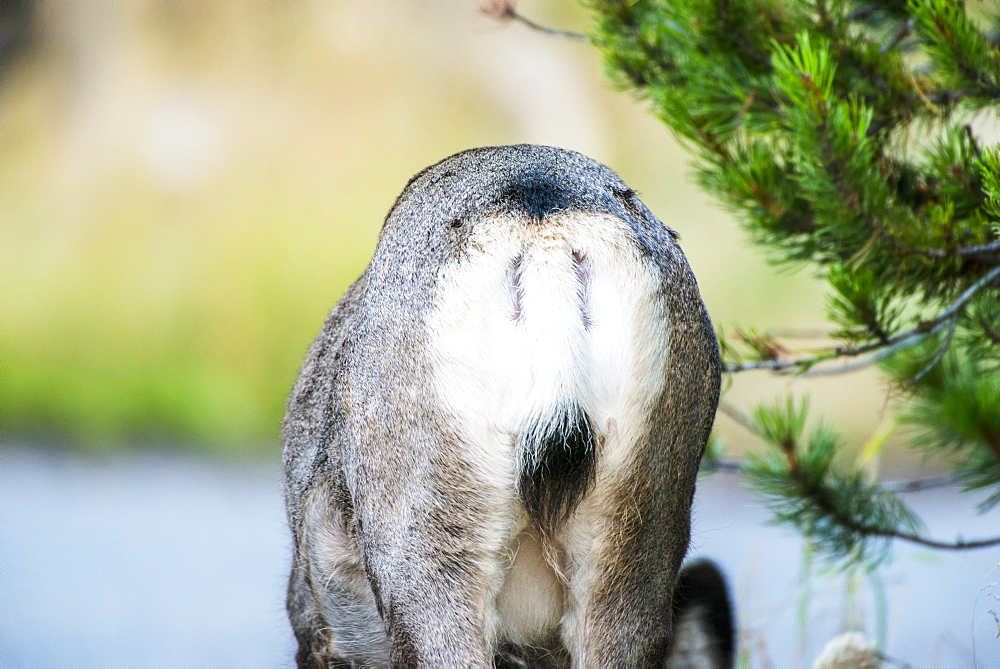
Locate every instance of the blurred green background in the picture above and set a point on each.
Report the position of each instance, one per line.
(188, 187)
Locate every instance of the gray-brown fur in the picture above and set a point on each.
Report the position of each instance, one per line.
(393, 523)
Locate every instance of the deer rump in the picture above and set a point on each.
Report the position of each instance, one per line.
(492, 446)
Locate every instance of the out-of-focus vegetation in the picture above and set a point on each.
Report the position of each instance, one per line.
(188, 188)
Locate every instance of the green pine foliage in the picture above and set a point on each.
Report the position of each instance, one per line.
(838, 511)
(845, 136)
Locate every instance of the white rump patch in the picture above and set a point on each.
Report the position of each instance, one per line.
(538, 314)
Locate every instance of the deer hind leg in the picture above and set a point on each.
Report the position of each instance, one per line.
(330, 603)
(626, 605)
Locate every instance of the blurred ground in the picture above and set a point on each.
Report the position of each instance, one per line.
(156, 560)
(151, 560)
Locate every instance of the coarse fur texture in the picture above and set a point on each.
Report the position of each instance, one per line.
(491, 449)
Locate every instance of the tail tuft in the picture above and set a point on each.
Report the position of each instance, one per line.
(557, 462)
(704, 634)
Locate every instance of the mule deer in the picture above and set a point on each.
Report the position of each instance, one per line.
(491, 450)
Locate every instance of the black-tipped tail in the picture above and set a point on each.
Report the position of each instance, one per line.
(557, 457)
(704, 633)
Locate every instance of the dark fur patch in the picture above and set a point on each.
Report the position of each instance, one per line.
(581, 264)
(536, 196)
(516, 289)
(701, 594)
(549, 653)
(557, 457)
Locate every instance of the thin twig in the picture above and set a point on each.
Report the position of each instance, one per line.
(713, 466)
(800, 333)
(877, 355)
(505, 10)
(878, 350)
(737, 415)
(551, 32)
(921, 484)
(958, 545)
(896, 487)
(937, 356)
(904, 31)
(964, 298)
(990, 250)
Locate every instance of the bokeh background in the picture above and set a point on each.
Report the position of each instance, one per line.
(188, 187)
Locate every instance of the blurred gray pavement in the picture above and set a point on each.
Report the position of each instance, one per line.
(147, 560)
(170, 560)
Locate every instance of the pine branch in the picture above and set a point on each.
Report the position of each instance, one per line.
(839, 512)
(961, 52)
(838, 132)
(878, 350)
(816, 496)
(957, 545)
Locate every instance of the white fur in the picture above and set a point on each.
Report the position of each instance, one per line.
(588, 327)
